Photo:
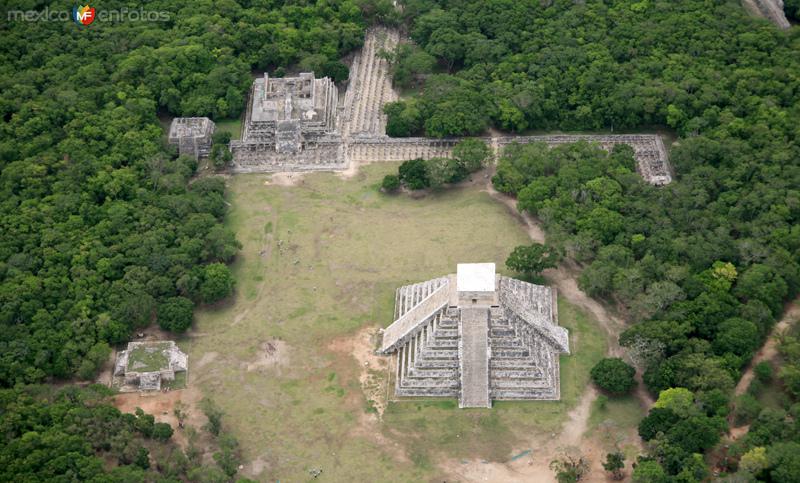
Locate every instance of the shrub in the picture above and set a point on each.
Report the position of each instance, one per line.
(414, 174)
(391, 183)
(614, 375)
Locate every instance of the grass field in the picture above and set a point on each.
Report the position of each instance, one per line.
(320, 261)
(232, 126)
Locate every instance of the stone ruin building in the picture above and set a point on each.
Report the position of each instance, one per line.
(301, 124)
(290, 121)
(192, 135)
(477, 336)
(143, 366)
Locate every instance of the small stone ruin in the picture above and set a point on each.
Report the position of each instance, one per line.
(145, 366)
(192, 135)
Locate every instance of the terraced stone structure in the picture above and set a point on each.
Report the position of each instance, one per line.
(192, 135)
(144, 366)
(477, 336)
(290, 122)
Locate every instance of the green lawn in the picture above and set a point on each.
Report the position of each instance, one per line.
(321, 260)
(232, 126)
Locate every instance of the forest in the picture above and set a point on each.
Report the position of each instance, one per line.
(105, 230)
(702, 266)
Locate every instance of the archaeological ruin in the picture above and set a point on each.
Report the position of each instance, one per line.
(146, 366)
(192, 135)
(476, 336)
(299, 124)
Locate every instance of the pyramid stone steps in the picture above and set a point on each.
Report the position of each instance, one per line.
(409, 382)
(426, 392)
(436, 364)
(437, 373)
(520, 383)
(510, 353)
(517, 373)
(512, 394)
(439, 354)
(438, 343)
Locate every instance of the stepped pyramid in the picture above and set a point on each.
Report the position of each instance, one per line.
(477, 336)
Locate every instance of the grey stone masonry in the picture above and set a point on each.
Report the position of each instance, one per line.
(476, 349)
(192, 135)
(473, 353)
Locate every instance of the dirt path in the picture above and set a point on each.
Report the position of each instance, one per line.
(770, 348)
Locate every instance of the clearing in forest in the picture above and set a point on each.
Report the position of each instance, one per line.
(317, 274)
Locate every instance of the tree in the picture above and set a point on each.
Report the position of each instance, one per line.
(754, 461)
(783, 462)
(220, 156)
(228, 457)
(440, 171)
(531, 260)
(471, 153)
(569, 468)
(217, 283)
(391, 183)
(737, 336)
(175, 314)
(142, 459)
(162, 431)
(679, 400)
(648, 471)
(658, 420)
(414, 174)
(614, 375)
(615, 463)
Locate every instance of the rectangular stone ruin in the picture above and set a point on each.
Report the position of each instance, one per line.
(144, 366)
(290, 123)
(192, 135)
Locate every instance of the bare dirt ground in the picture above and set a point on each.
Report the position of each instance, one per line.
(374, 380)
(162, 404)
(372, 367)
(285, 179)
(272, 354)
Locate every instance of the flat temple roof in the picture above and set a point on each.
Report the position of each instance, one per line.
(475, 277)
